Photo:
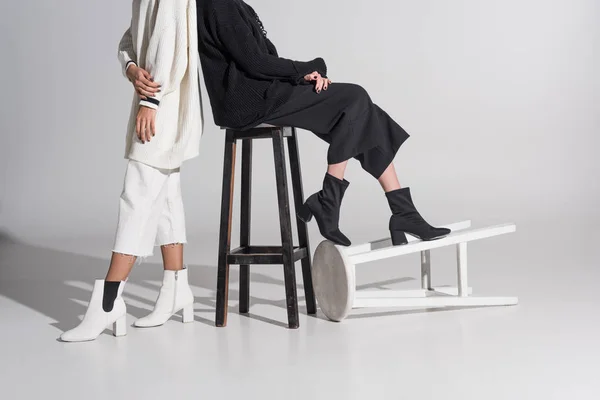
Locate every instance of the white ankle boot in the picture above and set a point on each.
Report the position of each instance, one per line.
(96, 320)
(175, 294)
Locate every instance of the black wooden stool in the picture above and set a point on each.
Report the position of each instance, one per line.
(246, 255)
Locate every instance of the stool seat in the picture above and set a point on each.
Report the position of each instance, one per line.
(256, 127)
(262, 131)
(247, 254)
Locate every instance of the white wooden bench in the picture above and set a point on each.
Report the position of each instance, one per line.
(334, 274)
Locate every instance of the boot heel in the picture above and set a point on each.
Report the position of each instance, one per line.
(188, 314)
(398, 238)
(304, 213)
(120, 326)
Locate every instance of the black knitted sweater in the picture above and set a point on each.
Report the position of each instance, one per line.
(245, 78)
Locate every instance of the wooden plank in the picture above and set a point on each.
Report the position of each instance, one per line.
(387, 242)
(418, 246)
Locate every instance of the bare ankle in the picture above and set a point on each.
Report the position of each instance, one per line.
(120, 267)
(337, 170)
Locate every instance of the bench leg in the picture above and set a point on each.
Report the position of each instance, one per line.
(309, 293)
(286, 229)
(426, 270)
(461, 259)
(225, 230)
(246, 197)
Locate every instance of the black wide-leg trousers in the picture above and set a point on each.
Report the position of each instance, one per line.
(345, 117)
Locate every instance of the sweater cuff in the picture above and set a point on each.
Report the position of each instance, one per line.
(129, 64)
(125, 65)
(305, 68)
(150, 103)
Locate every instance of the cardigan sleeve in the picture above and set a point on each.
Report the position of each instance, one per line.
(273, 52)
(167, 53)
(126, 54)
(237, 38)
(272, 49)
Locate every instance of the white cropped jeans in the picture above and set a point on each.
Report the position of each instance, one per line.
(150, 210)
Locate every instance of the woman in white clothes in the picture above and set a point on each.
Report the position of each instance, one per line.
(159, 55)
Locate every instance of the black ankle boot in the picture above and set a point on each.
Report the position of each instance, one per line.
(325, 206)
(406, 219)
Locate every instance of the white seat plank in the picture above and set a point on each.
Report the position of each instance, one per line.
(387, 242)
(417, 246)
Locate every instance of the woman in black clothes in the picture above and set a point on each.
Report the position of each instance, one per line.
(249, 84)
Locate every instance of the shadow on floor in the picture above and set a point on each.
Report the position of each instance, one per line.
(58, 284)
(43, 280)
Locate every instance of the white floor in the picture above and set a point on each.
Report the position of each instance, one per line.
(547, 347)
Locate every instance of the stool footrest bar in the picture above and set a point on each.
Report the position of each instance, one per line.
(248, 255)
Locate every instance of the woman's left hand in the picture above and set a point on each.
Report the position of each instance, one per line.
(319, 82)
(322, 84)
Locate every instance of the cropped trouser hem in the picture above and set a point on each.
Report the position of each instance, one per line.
(150, 210)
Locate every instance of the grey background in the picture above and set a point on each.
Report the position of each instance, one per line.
(501, 99)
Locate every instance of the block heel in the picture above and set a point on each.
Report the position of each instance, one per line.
(325, 207)
(188, 314)
(120, 326)
(304, 213)
(406, 219)
(398, 238)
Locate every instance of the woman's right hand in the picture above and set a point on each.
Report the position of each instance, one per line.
(142, 81)
(145, 125)
(319, 82)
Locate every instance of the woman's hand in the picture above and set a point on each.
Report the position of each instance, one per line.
(319, 82)
(142, 81)
(145, 124)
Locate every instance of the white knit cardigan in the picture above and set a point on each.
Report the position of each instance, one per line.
(163, 40)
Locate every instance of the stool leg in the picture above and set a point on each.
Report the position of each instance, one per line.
(246, 196)
(311, 304)
(461, 260)
(286, 229)
(426, 270)
(225, 230)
